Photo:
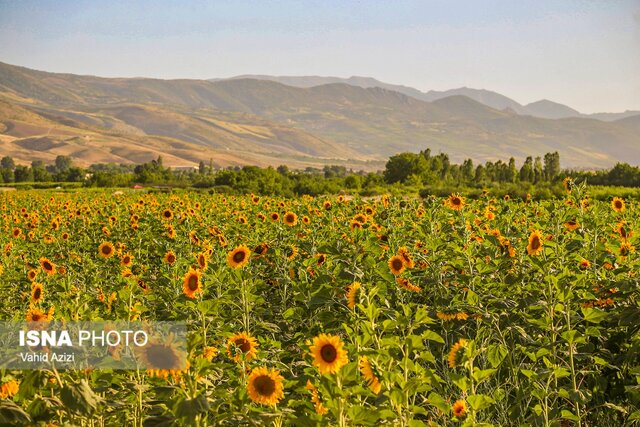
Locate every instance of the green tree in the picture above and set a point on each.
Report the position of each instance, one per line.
(7, 163)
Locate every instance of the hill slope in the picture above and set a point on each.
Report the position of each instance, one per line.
(240, 120)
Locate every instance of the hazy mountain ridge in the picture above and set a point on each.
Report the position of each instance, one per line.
(253, 121)
(543, 108)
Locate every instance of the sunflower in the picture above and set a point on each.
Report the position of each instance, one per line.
(126, 260)
(9, 389)
(305, 220)
(617, 204)
(406, 284)
(167, 214)
(572, 225)
(239, 257)
(275, 216)
(36, 292)
(535, 243)
(261, 250)
(326, 205)
(169, 258)
(360, 218)
(369, 375)
(209, 353)
(459, 408)
(65, 236)
(37, 315)
(455, 202)
(191, 284)
(352, 291)
(291, 252)
(16, 233)
(396, 265)
(47, 266)
(328, 353)
(584, 264)
(161, 356)
(406, 257)
(265, 386)
(202, 261)
(321, 259)
(315, 398)
(626, 248)
(621, 229)
(568, 184)
(290, 219)
(454, 354)
(240, 345)
(106, 250)
(31, 275)
(355, 225)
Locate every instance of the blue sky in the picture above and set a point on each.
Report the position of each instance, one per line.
(583, 53)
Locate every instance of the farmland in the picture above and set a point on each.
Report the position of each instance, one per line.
(333, 310)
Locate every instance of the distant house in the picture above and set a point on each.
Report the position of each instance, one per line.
(185, 168)
(137, 187)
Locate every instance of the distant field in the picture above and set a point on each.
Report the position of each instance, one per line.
(436, 311)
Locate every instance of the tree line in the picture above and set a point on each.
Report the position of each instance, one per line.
(414, 170)
(425, 168)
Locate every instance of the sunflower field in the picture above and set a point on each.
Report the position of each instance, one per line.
(333, 311)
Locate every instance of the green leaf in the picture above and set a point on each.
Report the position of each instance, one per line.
(79, 398)
(190, 408)
(568, 415)
(437, 401)
(362, 415)
(496, 354)
(480, 401)
(12, 414)
(461, 381)
(594, 315)
(472, 298)
(432, 336)
(482, 374)
(421, 317)
(532, 375)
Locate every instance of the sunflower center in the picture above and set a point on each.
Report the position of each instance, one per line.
(239, 256)
(264, 385)
(106, 250)
(535, 243)
(328, 353)
(455, 201)
(397, 264)
(618, 204)
(171, 258)
(47, 265)
(193, 283)
(37, 293)
(160, 356)
(243, 345)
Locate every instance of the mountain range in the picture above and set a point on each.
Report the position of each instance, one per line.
(543, 108)
(299, 121)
